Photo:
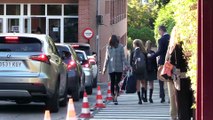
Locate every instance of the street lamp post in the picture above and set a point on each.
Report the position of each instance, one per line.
(98, 37)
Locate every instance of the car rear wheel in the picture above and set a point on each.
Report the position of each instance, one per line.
(52, 103)
(64, 102)
(89, 90)
(94, 85)
(76, 94)
(81, 94)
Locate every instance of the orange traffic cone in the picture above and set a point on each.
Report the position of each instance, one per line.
(99, 100)
(47, 115)
(85, 111)
(109, 94)
(71, 115)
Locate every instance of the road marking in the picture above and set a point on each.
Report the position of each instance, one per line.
(128, 109)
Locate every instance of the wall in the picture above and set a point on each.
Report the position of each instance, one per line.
(108, 29)
(87, 18)
(205, 58)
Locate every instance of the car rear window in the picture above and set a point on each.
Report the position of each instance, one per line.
(86, 49)
(81, 56)
(20, 44)
(67, 55)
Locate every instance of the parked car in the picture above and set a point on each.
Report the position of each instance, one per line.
(76, 76)
(31, 70)
(86, 48)
(87, 70)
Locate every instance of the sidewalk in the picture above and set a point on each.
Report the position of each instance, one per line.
(128, 109)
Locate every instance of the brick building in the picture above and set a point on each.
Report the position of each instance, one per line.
(64, 20)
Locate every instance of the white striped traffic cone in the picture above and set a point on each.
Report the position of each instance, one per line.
(109, 94)
(47, 115)
(85, 111)
(71, 114)
(99, 99)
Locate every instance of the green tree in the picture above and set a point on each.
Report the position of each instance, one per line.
(141, 21)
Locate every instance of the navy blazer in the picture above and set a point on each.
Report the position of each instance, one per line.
(163, 43)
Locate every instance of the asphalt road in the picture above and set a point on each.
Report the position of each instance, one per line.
(35, 111)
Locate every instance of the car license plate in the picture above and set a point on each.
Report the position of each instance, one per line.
(11, 65)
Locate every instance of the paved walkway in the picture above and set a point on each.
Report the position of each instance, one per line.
(128, 109)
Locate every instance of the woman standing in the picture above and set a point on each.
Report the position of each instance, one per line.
(180, 92)
(151, 71)
(114, 62)
(139, 55)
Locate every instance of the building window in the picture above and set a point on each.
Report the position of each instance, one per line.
(1, 9)
(25, 10)
(54, 10)
(1, 25)
(71, 10)
(37, 9)
(13, 9)
(107, 7)
(13, 25)
(38, 22)
(70, 30)
(117, 10)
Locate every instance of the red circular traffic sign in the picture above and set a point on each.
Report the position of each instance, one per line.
(88, 33)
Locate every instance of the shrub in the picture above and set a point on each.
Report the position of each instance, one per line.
(183, 14)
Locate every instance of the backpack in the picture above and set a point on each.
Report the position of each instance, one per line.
(151, 64)
(139, 64)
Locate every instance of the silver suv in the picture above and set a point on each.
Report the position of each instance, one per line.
(32, 70)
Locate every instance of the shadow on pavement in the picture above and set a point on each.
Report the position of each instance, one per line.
(27, 108)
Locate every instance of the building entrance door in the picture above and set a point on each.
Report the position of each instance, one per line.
(13, 25)
(54, 26)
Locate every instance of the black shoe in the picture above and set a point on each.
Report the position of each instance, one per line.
(162, 100)
(145, 100)
(150, 100)
(115, 102)
(140, 102)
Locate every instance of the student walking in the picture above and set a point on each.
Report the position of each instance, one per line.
(151, 71)
(138, 63)
(114, 62)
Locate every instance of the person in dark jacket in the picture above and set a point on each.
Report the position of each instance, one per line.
(161, 52)
(140, 77)
(151, 71)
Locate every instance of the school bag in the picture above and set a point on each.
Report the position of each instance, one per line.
(131, 84)
(139, 62)
(151, 64)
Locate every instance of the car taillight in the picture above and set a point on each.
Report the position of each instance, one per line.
(42, 58)
(92, 61)
(12, 39)
(71, 65)
(86, 64)
(75, 46)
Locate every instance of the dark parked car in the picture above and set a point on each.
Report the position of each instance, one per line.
(86, 48)
(87, 68)
(76, 76)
